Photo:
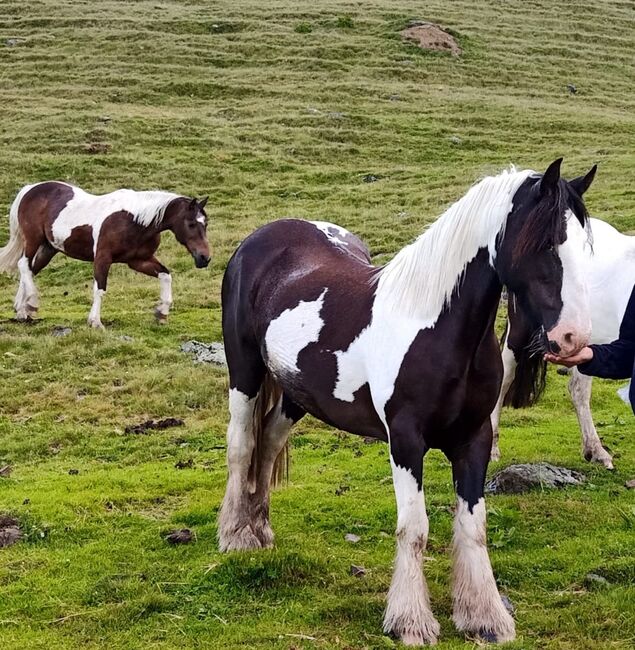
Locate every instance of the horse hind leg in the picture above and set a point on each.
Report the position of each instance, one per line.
(271, 456)
(580, 390)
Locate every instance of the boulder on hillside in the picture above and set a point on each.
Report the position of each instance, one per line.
(521, 478)
(213, 353)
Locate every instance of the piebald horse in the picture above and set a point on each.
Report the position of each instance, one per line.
(609, 265)
(123, 226)
(406, 353)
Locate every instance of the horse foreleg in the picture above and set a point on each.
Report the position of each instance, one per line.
(580, 390)
(477, 605)
(408, 614)
(509, 368)
(155, 269)
(101, 268)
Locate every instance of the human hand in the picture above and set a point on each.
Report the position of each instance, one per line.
(585, 354)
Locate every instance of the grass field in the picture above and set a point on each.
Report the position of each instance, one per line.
(279, 109)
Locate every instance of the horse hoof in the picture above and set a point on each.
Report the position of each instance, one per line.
(424, 632)
(161, 318)
(96, 325)
(601, 457)
(243, 539)
(488, 636)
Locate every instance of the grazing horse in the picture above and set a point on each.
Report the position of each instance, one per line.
(610, 270)
(123, 226)
(405, 353)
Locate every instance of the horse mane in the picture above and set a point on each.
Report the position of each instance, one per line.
(419, 281)
(148, 208)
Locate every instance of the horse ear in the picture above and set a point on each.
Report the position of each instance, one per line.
(582, 183)
(193, 203)
(551, 177)
(203, 202)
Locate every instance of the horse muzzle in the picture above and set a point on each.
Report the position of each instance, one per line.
(201, 260)
(566, 341)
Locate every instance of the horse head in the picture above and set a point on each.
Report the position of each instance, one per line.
(540, 259)
(188, 221)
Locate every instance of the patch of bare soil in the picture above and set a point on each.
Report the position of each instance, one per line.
(10, 532)
(429, 36)
(148, 425)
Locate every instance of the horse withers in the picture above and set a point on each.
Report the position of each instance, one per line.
(120, 227)
(609, 265)
(406, 353)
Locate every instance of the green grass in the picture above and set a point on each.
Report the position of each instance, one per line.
(280, 109)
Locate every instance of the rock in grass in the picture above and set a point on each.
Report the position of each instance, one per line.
(181, 536)
(358, 571)
(352, 538)
(5, 471)
(595, 581)
(60, 331)
(630, 484)
(149, 425)
(10, 532)
(520, 478)
(213, 353)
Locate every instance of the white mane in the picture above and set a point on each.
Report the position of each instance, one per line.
(148, 208)
(419, 281)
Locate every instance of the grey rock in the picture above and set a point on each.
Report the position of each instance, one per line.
(370, 178)
(630, 484)
(60, 330)
(394, 98)
(336, 115)
(12, 42)
(572, 89)
(357, 571)
(10, 532)
(520, 478)
(456, 140)
(352, 538)
(213, 353)
(595, 581)
(126, 338)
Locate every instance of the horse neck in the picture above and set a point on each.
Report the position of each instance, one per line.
(475, 301)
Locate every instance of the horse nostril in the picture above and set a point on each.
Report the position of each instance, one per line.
(568, 337)
(554, 347)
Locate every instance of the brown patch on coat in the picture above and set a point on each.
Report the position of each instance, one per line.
(79, 244)
(429, 36)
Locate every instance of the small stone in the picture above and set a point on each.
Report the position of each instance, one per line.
(507, 603)
(104, 118)
(595, 581)
(352, 538)
(126, 338)
(26, 502)
(313, 111)
(184, 464)
(60, 330)
(12, 42)
(370, 178)
(630, 484)
(394, 98)
(357, 571)
(73, 472)
(336, 115)
(572, 89)
(341, 489)
(5, 471)
(456, 140)
(182, 536)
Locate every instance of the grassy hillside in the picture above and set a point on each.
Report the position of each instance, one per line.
(278, 109)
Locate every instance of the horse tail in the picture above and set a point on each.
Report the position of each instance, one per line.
(266, 400)
(13, 251)
(529, 381)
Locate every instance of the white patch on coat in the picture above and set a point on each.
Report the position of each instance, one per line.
(340, 235)
(477, 603)
(84, 209)
(165, 284)
(289, 333)
(419, 281)
(408, 612)
(573, 329)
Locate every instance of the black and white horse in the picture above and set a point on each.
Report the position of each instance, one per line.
(406, 353)
(609, 265)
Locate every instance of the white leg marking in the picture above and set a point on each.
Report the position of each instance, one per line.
(94, 317)
(509, 368)
(408, 613)
(27, 300)
(478, 607)
(234, 527)
(165, 302)
(580, 389)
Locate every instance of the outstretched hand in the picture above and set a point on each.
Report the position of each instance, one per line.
(585, 354)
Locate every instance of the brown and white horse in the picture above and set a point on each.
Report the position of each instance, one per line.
(122, 226)
(406, 353)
